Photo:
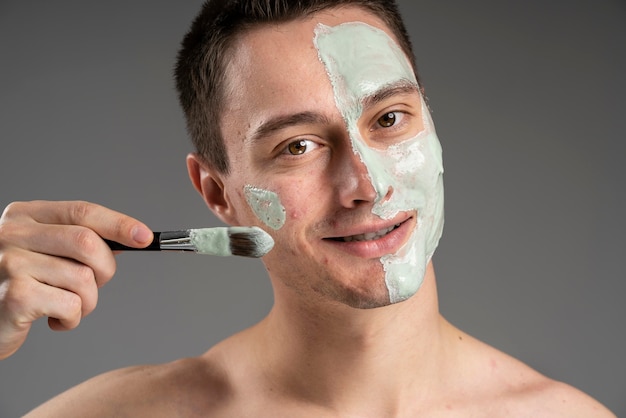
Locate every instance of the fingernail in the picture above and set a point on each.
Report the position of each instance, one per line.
(141, 234)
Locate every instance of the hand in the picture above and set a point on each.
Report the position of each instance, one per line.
(52, 262)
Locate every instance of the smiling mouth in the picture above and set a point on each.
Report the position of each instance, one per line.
(370, 236)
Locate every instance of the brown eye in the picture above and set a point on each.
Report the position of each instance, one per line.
(387, 120)
(297, 147)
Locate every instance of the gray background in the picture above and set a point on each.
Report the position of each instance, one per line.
(529, 102)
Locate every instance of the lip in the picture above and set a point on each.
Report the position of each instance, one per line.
(389, 243)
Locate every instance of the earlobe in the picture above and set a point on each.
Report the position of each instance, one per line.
(208, 182)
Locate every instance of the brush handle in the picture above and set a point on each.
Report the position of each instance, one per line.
(155, 245)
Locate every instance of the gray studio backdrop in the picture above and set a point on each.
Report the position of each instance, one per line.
(528, 98)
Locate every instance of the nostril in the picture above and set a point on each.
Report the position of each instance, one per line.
(388, 195)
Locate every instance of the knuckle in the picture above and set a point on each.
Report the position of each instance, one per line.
(80, 210)
(11, 209)
(87, 240)
(86, 288)
(121, 226)
(7, 230)
(73, 305)
(14, 297)
(4, 231)
(84, 275)
(89, 302)
(103, 277)
(108, 271)
(10, 263)
(89, 305)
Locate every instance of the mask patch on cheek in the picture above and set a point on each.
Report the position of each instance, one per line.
(266, 206)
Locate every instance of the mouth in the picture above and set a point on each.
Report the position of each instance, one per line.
(376, 243)
(370, 236)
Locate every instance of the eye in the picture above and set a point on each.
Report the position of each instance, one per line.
(390, 119)
(299, 147)
(387, 120)
(392, 126)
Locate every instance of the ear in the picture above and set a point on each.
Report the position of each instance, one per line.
(209, 183)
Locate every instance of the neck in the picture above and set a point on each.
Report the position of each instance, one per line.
(320, 353)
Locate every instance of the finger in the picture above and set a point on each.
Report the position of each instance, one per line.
(64, 307)
(105, 222)
(68, 275)
(58, 272)
(26, 299)
(56, 324)
(73, 242)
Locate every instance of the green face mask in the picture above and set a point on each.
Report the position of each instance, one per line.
(411, 169)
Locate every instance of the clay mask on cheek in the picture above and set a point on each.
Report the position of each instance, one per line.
(407, 176)
(266, 206)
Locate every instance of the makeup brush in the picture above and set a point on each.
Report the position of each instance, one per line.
(222, 241)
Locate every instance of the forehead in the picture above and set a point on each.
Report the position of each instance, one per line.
(282, 55)
(361, 69)
(302, 30)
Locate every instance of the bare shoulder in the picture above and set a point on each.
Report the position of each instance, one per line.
(520, 390)
(489, 380)
(186, 387)
(550, 398)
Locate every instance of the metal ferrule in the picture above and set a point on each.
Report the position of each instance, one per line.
(176, 241)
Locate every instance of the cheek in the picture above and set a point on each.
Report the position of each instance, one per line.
(266, 205)
(298, 200)
(406, 166)
(277, 205)
(296, 197)
(305, 197)
(296, 214)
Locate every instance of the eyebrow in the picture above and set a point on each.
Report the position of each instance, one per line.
(280, 122)
(389, 90)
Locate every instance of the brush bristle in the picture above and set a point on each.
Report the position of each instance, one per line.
(249, 241)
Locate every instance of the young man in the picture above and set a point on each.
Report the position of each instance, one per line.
(311, 124)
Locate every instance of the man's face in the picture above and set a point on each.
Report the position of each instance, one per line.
(333, 152)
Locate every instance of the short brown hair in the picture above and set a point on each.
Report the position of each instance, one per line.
(201, 63)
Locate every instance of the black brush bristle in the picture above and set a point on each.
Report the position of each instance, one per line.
(254, 242)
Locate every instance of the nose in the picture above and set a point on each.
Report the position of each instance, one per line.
(353, 182)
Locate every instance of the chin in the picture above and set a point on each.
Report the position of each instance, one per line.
(369, 303)
(373, 296)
